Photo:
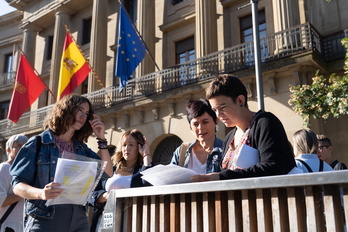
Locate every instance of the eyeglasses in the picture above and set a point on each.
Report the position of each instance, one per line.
(322, 147)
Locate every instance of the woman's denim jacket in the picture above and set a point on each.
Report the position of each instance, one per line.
(38, 171)
(213, 159)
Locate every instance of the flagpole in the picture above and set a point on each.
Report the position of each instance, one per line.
(47, 88)
(147, 49)
(90, 66)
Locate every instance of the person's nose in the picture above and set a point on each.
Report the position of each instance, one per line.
(218, 113)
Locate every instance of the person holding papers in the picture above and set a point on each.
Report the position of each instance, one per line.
(131, 157)
(204, 154)
(257, 136)
(306, 150)
(68, 126)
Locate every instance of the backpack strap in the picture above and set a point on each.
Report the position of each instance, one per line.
(305, 164)
(321, 165)
(8, 211)
(183, 150)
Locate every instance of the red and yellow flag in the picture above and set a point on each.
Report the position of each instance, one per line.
(27, 89)
(74, 68)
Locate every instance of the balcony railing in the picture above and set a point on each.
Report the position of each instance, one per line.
(302, 202)
(295, 40)
(7, 78)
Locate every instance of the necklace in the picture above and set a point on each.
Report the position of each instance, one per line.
(127, 169)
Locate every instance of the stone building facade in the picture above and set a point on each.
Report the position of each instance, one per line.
(189, 41)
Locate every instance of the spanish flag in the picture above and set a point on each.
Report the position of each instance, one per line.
(74, 68)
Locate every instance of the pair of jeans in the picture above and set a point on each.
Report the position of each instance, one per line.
(67, 218)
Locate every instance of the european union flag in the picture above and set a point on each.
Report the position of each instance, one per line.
(131, 50)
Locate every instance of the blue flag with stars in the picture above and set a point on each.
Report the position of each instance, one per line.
(130, 51)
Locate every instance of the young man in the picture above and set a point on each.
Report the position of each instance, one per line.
(324, 153)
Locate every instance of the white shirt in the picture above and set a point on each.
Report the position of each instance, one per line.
(196, 165)
(15, 218)
(118, 182)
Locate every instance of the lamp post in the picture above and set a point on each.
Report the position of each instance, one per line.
(257, 53)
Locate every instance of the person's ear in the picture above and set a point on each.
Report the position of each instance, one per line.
(240, 100)
(330, 148)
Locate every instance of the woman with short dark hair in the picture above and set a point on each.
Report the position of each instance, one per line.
(204, 154)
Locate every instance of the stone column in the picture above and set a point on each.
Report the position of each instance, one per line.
(206, 28)
(29, 48)
(98, 44)
(29, 43)
(146, 27)
(62, 17)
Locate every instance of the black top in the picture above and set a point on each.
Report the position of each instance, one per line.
(268, 136)
(336, 165)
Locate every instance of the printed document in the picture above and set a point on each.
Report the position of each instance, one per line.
(167, 174)
(248, 156)
(77, 179)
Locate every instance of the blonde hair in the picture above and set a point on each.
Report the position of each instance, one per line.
(305, 142)
(118, 159)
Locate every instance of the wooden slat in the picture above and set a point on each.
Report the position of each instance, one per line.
(235, 217)
(185, 212)
(264, 212)
(333, 209)
(283, 208)
(146, 215)
(154, 214)
(319, 208)
(275, 210)
(245, 211)
(344, 192)
(128, 215)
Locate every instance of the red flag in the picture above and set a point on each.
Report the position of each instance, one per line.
(27, 89)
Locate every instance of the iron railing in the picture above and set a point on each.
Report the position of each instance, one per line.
(299, 39)
(7, 78)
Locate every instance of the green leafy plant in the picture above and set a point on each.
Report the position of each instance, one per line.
(325, 97)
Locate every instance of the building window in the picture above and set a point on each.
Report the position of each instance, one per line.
(246, 27)
(131, 8)
(185, 52)
(4, 106)
(9, 75)
(49, 47)
(86, 31)
(174, 2)
(84, 86)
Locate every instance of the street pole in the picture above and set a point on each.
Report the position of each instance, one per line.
(257, 53)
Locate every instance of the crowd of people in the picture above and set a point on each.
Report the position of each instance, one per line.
(30, 169)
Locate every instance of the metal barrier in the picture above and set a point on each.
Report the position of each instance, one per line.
(302, 202)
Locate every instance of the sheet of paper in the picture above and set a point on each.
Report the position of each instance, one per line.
(77, 179)
(167, 174)
(248, 156)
